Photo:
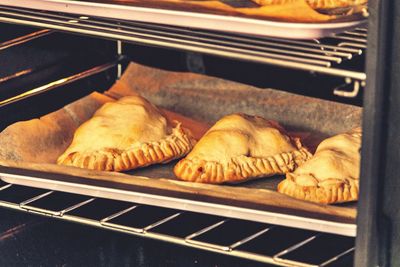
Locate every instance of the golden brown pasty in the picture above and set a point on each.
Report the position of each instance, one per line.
(241, 147)
(124, 135)
(331, 175)
(316, 4)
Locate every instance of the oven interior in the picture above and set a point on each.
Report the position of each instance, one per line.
(45, 70)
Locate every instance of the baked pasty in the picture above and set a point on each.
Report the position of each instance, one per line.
(331, 175)
(124, 135)
(241, 147)
(316, 4)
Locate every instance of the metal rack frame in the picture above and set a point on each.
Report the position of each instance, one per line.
(326, 56)
(152, 222)
(158, 13)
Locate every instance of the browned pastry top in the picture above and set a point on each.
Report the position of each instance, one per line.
(331, 175)
(126, 134)
(241, 147)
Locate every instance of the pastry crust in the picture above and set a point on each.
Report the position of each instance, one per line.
(125, 135)
(239, 148)
(332, 175)
(316, 4)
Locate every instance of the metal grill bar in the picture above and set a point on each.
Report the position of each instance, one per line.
(199, 42)
(5, 186)
(206, 229)
(93, 210)
(57, 203)
(62, 212)
(18, 41)
(24, 39)
(304, 55)
(219, 235)
(296, 246)
(16, 75)
(326, 263)
(36, 203)
(307, 247)
(348, 38)
(23, 203)
(12, 196)
(263, 41)
(57, 83)
(115, 215)
(147, 228)
(186, 224)
(187, 34)
(317, 44)
(346, 44)
(141, 218)
(249, 238)
(357, 34)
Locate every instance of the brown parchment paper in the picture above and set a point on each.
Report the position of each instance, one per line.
(206, 98)
(42, 140)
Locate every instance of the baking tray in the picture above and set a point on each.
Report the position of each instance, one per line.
(182, 201)
(206, 19)
(204, 98)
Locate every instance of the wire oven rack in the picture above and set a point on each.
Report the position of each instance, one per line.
(328, 56)
(266, 243)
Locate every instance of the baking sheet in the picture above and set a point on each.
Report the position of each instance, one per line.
(294, 21)
(24, 147)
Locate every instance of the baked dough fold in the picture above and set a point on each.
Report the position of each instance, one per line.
(240, 147)
(331, 175)
(125, 135)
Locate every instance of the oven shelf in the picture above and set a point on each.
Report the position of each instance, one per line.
(261, 242)
(330, 56)
(181, 14)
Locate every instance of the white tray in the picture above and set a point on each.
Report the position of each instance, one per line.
(191, 19)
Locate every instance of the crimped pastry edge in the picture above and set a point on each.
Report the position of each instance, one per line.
(242, 168)
(345, 191)
(331, 4)
(316, 4)
(173, 146)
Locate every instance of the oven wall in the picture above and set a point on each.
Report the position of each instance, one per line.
(378, 239)
(31, 64)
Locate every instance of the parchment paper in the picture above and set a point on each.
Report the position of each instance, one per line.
(36, 144)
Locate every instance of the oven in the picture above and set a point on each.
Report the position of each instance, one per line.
(54, 53)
